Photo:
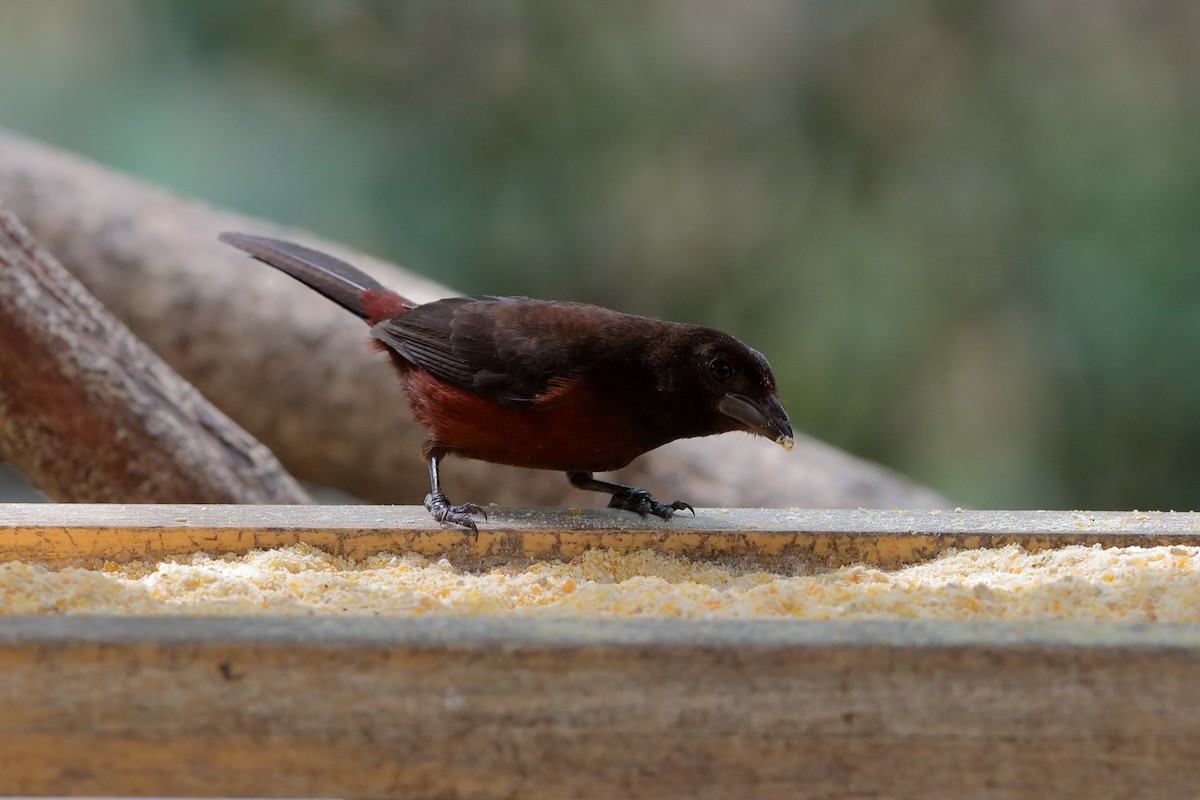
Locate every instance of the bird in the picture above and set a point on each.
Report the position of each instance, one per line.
(552, 385)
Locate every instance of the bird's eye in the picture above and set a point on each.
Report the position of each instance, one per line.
(720, 369)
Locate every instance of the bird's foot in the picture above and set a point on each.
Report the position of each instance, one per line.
(642, 502)
(442, 511)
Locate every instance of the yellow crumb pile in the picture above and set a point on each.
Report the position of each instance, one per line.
(1133, 583)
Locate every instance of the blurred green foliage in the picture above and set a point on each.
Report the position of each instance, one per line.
(967, 235)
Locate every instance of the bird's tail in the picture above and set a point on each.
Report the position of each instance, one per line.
(348, 286)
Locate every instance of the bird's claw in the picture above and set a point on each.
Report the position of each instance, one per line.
(642, 502)
(441, 510)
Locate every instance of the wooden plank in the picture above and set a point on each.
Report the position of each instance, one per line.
(634, 709)
(495, 707)
(81, 534)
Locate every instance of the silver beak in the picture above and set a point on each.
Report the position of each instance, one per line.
(765, 417)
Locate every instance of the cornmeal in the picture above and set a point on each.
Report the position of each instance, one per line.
(1132, 583)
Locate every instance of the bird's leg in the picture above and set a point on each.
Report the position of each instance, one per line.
(627, 497)
(440, 507)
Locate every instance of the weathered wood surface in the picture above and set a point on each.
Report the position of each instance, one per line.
(79, 534)
(500, 708)
(535, 709)
(88, 412)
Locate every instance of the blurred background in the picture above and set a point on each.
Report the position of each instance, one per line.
(967, 235)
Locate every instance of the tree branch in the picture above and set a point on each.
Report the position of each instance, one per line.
(89, 414)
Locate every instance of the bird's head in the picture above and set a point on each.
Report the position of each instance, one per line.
(727, 386)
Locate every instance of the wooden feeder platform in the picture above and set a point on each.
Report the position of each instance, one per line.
(503, 708)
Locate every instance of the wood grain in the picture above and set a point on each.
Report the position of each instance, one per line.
(89, 413)
(629, 709)
(784, 539)
(493, 707)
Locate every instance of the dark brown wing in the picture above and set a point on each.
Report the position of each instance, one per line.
(508, 349)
